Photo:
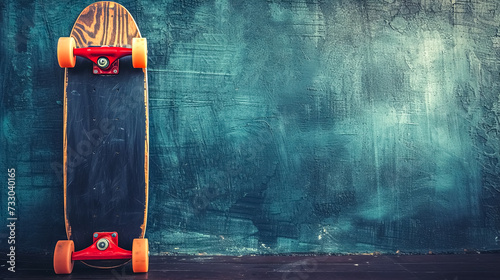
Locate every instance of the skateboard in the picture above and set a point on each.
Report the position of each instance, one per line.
(105, 141)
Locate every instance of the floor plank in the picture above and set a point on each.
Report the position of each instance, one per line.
(438, 267)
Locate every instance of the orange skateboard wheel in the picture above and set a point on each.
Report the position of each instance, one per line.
(140, 255)
(62, 256)
(65, 55)
(139, 53)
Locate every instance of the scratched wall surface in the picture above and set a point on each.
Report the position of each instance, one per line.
(282, 126)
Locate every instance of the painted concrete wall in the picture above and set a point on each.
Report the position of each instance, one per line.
(281, 126)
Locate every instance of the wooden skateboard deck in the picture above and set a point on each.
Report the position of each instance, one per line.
(105, 136)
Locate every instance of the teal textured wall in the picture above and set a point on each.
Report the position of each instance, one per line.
(281, 126)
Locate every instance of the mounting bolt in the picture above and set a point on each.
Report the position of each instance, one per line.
(113, 234)
(95, 71)
(96, 235)
(115, 71)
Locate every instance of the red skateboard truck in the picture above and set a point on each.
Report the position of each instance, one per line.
(104, 247)
(105, 58)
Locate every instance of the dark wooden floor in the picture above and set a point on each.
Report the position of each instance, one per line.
(442, 267)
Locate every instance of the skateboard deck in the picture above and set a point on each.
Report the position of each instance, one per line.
(105, 137)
